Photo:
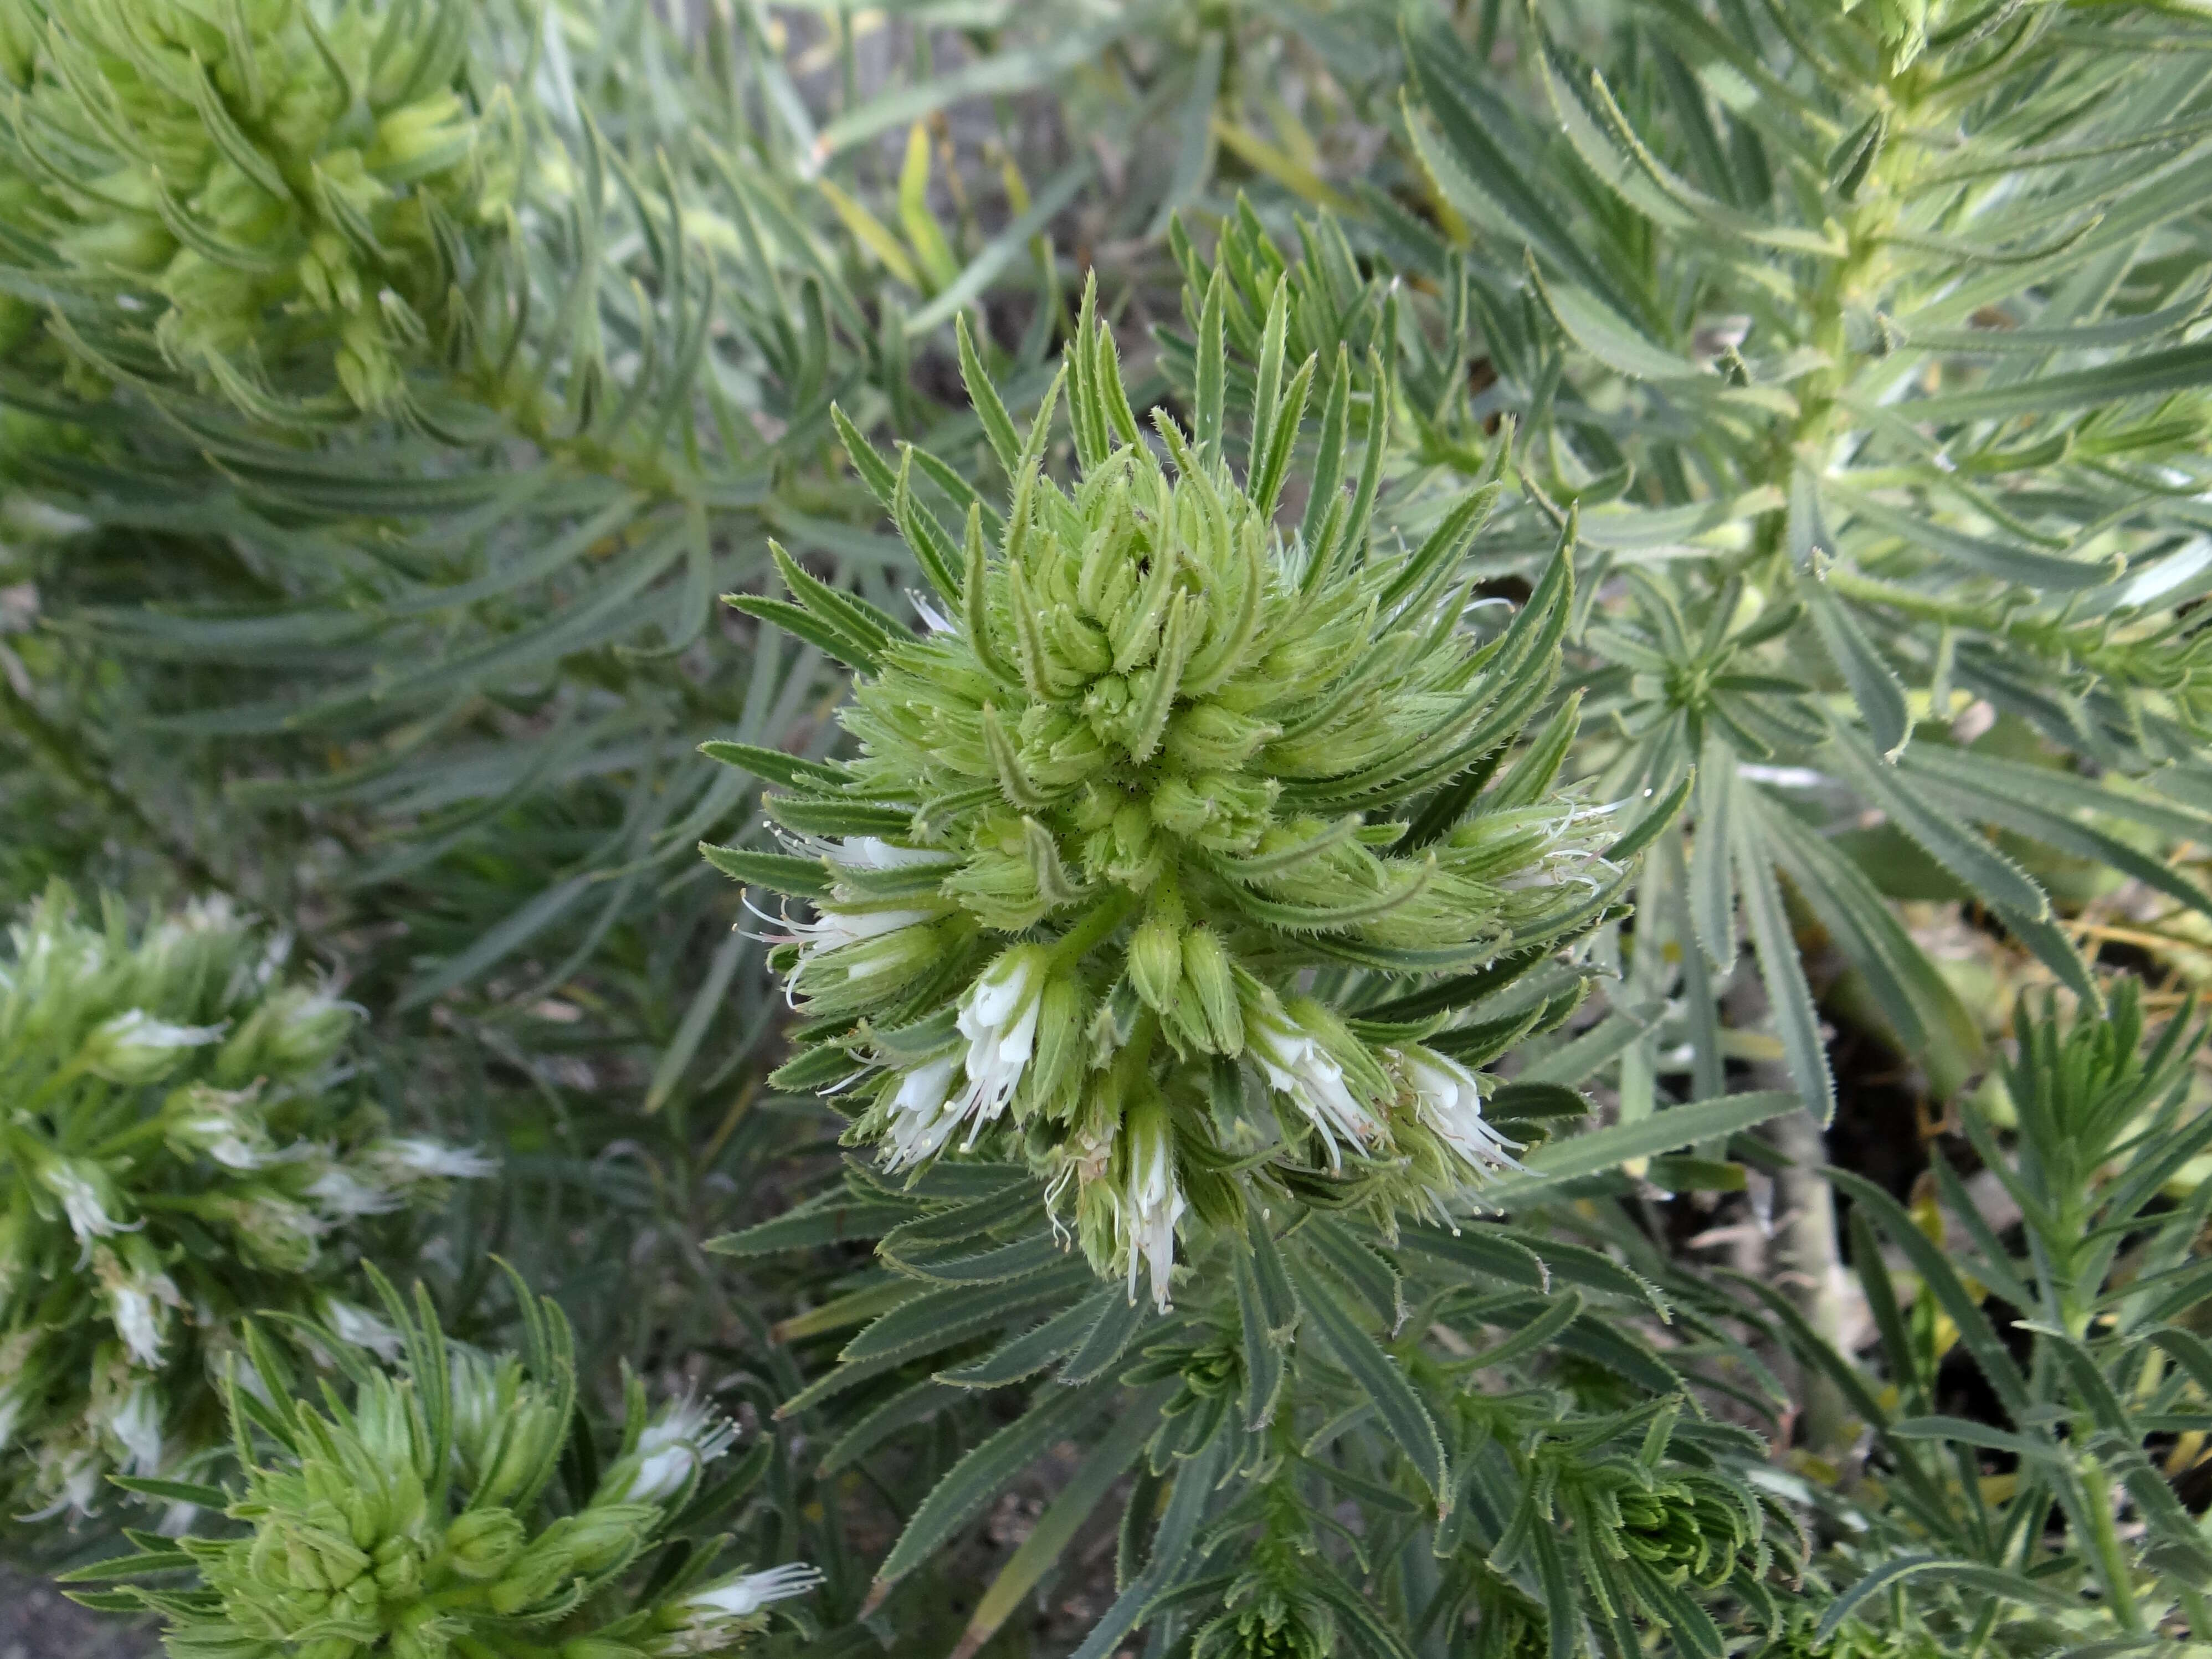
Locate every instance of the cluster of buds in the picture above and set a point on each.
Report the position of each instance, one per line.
(1276, 1605)
(285, 190)
(179, 1150)
(1156, 762)
(1687, 1530)
(387, 1526)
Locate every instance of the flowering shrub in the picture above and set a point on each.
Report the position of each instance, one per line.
(1154, 763)
(283, 189)
(420, 1517)
(181, 1150)
(1676, 599)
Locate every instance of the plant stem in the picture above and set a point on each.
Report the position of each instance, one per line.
(1810, 1257)
(2105, 1541)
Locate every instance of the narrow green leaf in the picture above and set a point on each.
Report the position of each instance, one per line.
(1985, 870)
(1208, 412)
(983, 395)
(1403, 1416)
(1781, 969)
(1940, 1280)
(2004, 1585)
(932, 254)
(835, 1218)
(1056, 1529)
(1712, 888)
(1874, 684)
(2154, 373)
(978, 1477)
(1664, 1131)
(691, 1029)
(779, 872)
(778, 766)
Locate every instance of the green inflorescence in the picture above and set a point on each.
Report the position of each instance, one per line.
(421, 1517)
(1155, 760)
(180, 1150)
(280, 192)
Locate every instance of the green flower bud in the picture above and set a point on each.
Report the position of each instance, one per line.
(293, 1034)
(422, 1633)
(133, 1047)
(606, 1535)
(529, 1581)
(1155, 959)
(483, 1544)
(1211, 976)
(1207, 737)
(1062, 1050)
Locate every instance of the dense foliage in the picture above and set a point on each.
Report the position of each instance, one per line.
(1463, 756)
(185, 1150)
(420, 1518)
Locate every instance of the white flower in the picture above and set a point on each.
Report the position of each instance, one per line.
(137, 1306)
(414, 1159)
(134, 1047)
(748, 1592)
(831, 929)
(1448, 1099)
(135, 1423)
(931, 619)
(356, 1325)
(1000, 1020)
(923, 1116)
(228, 1148)
(872, 853)
(674, 1446)
(341, 1193)
(84, 1190)
(1295, 1062)
(1151, 1200)
(76, 1474)
(224, 1125)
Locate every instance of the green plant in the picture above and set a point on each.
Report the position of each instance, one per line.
(2045, 1524)
(421, 1516)
(1167, 762)
(1061, 898)
(1885, 319)
(183, 1150)
(1785, 422)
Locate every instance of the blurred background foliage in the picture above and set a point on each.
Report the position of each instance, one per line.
(1864, 343)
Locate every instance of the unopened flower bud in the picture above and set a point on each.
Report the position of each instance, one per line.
(293, 1034)
(483, 1544)
(134, 1047)
(527, 1443)
(398, 1570)
(1207, 737)
(1063, 1046)
(1156, 960)
(422, 1633)
(1212, 979)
